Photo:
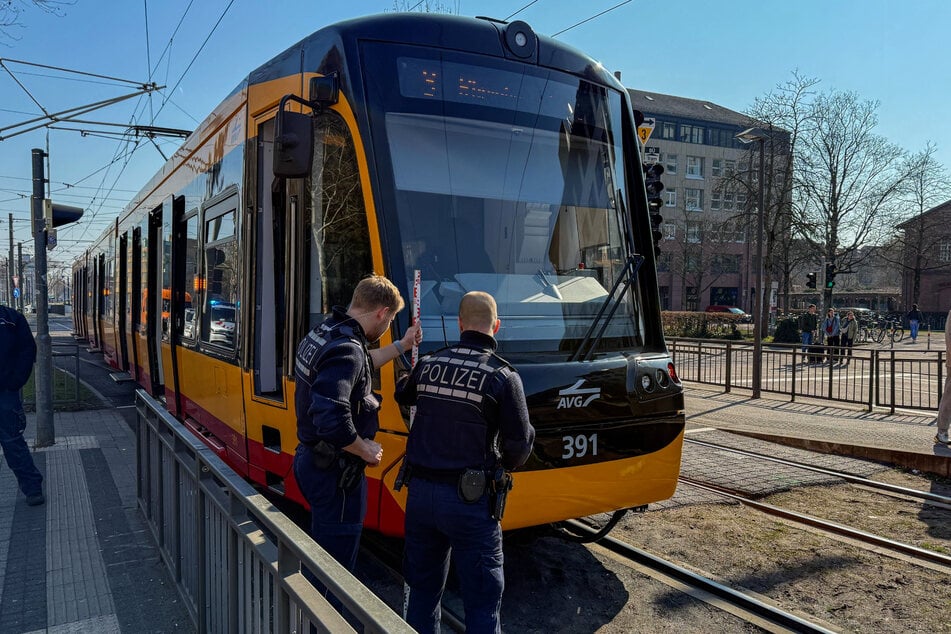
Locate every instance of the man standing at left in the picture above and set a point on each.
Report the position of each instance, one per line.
(337, 412)
(18, 351)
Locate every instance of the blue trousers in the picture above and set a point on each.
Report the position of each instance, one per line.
(336, 516)
(913, 323)
(806, 340)
(440, 525)
(17, 454)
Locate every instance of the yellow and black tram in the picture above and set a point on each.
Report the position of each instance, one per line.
(472, 150)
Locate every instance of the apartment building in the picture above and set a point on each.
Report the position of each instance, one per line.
(709, 213)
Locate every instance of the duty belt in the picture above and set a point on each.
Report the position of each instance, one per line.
(439, 476)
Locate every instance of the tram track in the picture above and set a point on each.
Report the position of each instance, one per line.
(939, 501)
(740, 604)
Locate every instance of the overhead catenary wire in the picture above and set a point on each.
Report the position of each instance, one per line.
(520, 10)
(597, 15)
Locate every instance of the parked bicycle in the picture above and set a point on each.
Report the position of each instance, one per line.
(891, 329)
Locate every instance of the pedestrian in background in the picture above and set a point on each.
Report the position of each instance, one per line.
(944, 407)
(337, 412)
(808, 322)
(18, 351)
(914, 320)
(850, 330)
(471, 427)
(831, 330)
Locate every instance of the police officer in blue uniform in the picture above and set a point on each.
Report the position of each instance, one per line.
(337, 412)
(471, 427)
(18, 351)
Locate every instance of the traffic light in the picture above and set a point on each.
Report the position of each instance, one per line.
(654, 187)
(810, 280)
(58, 215)
(830, 274)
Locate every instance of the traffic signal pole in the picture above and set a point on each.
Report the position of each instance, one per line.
(43, 376)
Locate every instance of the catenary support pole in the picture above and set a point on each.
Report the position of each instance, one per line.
(43, 376)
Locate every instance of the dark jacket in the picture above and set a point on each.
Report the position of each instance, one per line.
(17, 350)
(808, 322)
(470, 409)
(333, 396)
(915, 315)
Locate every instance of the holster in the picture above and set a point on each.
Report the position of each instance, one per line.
(351, 472)
(499, 489)
(324, 454)
(471, 485)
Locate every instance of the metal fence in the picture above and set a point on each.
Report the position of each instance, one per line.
(237, 561)
(872, 377)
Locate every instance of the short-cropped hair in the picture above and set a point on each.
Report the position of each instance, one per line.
(477, 311)
(375, 292)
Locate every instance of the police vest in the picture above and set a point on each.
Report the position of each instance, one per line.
(456, 423)
(311, 352)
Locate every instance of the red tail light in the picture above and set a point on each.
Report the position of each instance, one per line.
(672, 372)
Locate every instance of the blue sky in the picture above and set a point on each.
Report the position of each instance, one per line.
(727, 52)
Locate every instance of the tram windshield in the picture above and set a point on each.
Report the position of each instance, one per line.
(510, 179)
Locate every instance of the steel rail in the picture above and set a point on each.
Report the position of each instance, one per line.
(745, 606)
(893, 488)
(826, 525)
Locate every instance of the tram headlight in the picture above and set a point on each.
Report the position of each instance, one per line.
(661, 377)
(647, 383)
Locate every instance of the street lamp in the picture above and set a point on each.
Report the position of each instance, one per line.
(749, 136)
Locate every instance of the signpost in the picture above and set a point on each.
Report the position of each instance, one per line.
(644, 130)
(652, 154)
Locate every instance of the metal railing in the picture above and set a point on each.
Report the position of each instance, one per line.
(236, 560)
(872, 377)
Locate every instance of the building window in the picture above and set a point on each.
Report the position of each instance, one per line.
(741, 200)
(691, 134)
(729, 167)
(716, 169)
(728, 201)
(668, 131)
(693, 199)
(671, 166)
(694, 167)
(664, 297)
(693, 232)
(670, 231)
(693, 299)
(744, 166)
(663, 263)
(725, 264)
(671, 197)
(715, 200)
(739, 232)
(944, 252)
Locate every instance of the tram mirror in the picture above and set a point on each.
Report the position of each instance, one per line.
(293, 144)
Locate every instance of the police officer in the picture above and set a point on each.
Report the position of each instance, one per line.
(471, 422)
(337, 412)
(18, 351)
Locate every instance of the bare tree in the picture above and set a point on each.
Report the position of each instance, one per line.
(918, 222)
(784, 114)
(700, 260)
(846, 176)
(12, 10)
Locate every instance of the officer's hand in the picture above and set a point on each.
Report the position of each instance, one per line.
(373, 452)
(412, 336)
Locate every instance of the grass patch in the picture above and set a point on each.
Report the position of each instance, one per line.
(69, 395)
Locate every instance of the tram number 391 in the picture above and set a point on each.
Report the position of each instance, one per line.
(579, 446)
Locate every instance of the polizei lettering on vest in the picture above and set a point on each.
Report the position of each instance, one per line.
(465, 378)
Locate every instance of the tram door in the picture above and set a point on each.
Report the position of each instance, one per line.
(270, 337)
(153, 301)
(135, 302)
(100, 297)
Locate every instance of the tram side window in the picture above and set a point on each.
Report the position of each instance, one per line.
(220, 279)
(186, 324)
(338, 239)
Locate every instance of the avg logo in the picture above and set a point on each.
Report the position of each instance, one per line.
(577, 396)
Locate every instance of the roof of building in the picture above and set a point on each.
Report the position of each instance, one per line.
(652, 103)
(937, 209)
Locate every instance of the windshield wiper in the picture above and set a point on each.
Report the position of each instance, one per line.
(624, 281)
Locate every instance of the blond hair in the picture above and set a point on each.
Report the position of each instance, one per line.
(375, 292)
(477, 311)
